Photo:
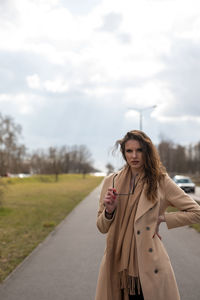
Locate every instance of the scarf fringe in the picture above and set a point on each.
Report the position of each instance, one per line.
(129, 283)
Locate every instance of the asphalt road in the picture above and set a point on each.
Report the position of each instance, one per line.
(183, 247)
(65, 266)
(197, 191)
(196, 196)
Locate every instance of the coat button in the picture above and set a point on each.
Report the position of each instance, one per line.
(147, 228)
(150, 250)
(156, 271)
(138, 232)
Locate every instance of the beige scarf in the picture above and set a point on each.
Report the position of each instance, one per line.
(121, 253)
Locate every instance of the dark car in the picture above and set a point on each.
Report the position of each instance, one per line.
(185, 183)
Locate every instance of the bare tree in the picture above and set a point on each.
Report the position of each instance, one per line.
(11, 153)
(38, 162)
(84, 160)
(166, 151)
(179, 158)
(75, 159)
(55, 161)
(110, 168)
(197, 157)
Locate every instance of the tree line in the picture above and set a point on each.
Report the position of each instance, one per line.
(65, 159)
(15, 159)
(179, 159)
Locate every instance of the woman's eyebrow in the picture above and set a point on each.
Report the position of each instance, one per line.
(133, 149)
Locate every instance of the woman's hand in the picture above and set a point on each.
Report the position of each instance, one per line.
(110, 201)
(161, 219)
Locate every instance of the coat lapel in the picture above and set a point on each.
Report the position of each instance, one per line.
(144, 205)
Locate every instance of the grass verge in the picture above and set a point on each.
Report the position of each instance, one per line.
(32, 208)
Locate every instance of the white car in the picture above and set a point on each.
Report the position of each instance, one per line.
(185, 183)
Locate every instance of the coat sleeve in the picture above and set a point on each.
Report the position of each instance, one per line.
(103, 224)
(188, 210)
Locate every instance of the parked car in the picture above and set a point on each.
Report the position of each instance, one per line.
(185, 183)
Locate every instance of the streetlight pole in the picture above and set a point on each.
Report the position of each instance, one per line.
(140, 111)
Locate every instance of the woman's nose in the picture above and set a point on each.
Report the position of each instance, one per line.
(134, 154)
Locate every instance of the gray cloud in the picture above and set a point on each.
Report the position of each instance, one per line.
(125, 38)
(182, 74)
(80, 7)
(111, 22)
(8, 12)
(15, 66)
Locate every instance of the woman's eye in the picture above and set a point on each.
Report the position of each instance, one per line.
(140, 150)
(128, 150)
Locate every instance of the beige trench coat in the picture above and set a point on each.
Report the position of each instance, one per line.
(156, 274)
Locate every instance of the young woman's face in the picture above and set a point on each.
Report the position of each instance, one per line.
(134, 155)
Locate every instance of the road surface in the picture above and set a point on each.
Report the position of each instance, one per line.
(198, 191)
(65, 266)
(196, 196)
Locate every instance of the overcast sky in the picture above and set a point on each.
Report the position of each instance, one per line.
(71, 69)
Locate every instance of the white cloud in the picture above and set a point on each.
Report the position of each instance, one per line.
(183, 118)
(131, 114)
(100, 92)
(150, 93)
(21, 103)
(56, 86)
(33, 81)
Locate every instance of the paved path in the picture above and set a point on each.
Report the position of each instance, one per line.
(65, 266)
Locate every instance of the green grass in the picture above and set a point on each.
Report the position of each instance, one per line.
(32, 207)
(195, 226)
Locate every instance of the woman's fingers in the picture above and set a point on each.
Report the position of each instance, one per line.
(112, 192)
(160, 219)
(110, 198)
(159, 235)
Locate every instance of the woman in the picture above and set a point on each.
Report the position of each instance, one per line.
(133, 201)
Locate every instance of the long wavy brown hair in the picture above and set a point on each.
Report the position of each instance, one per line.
(153, 168)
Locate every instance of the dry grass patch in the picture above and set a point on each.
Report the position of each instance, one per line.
(32, 208)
